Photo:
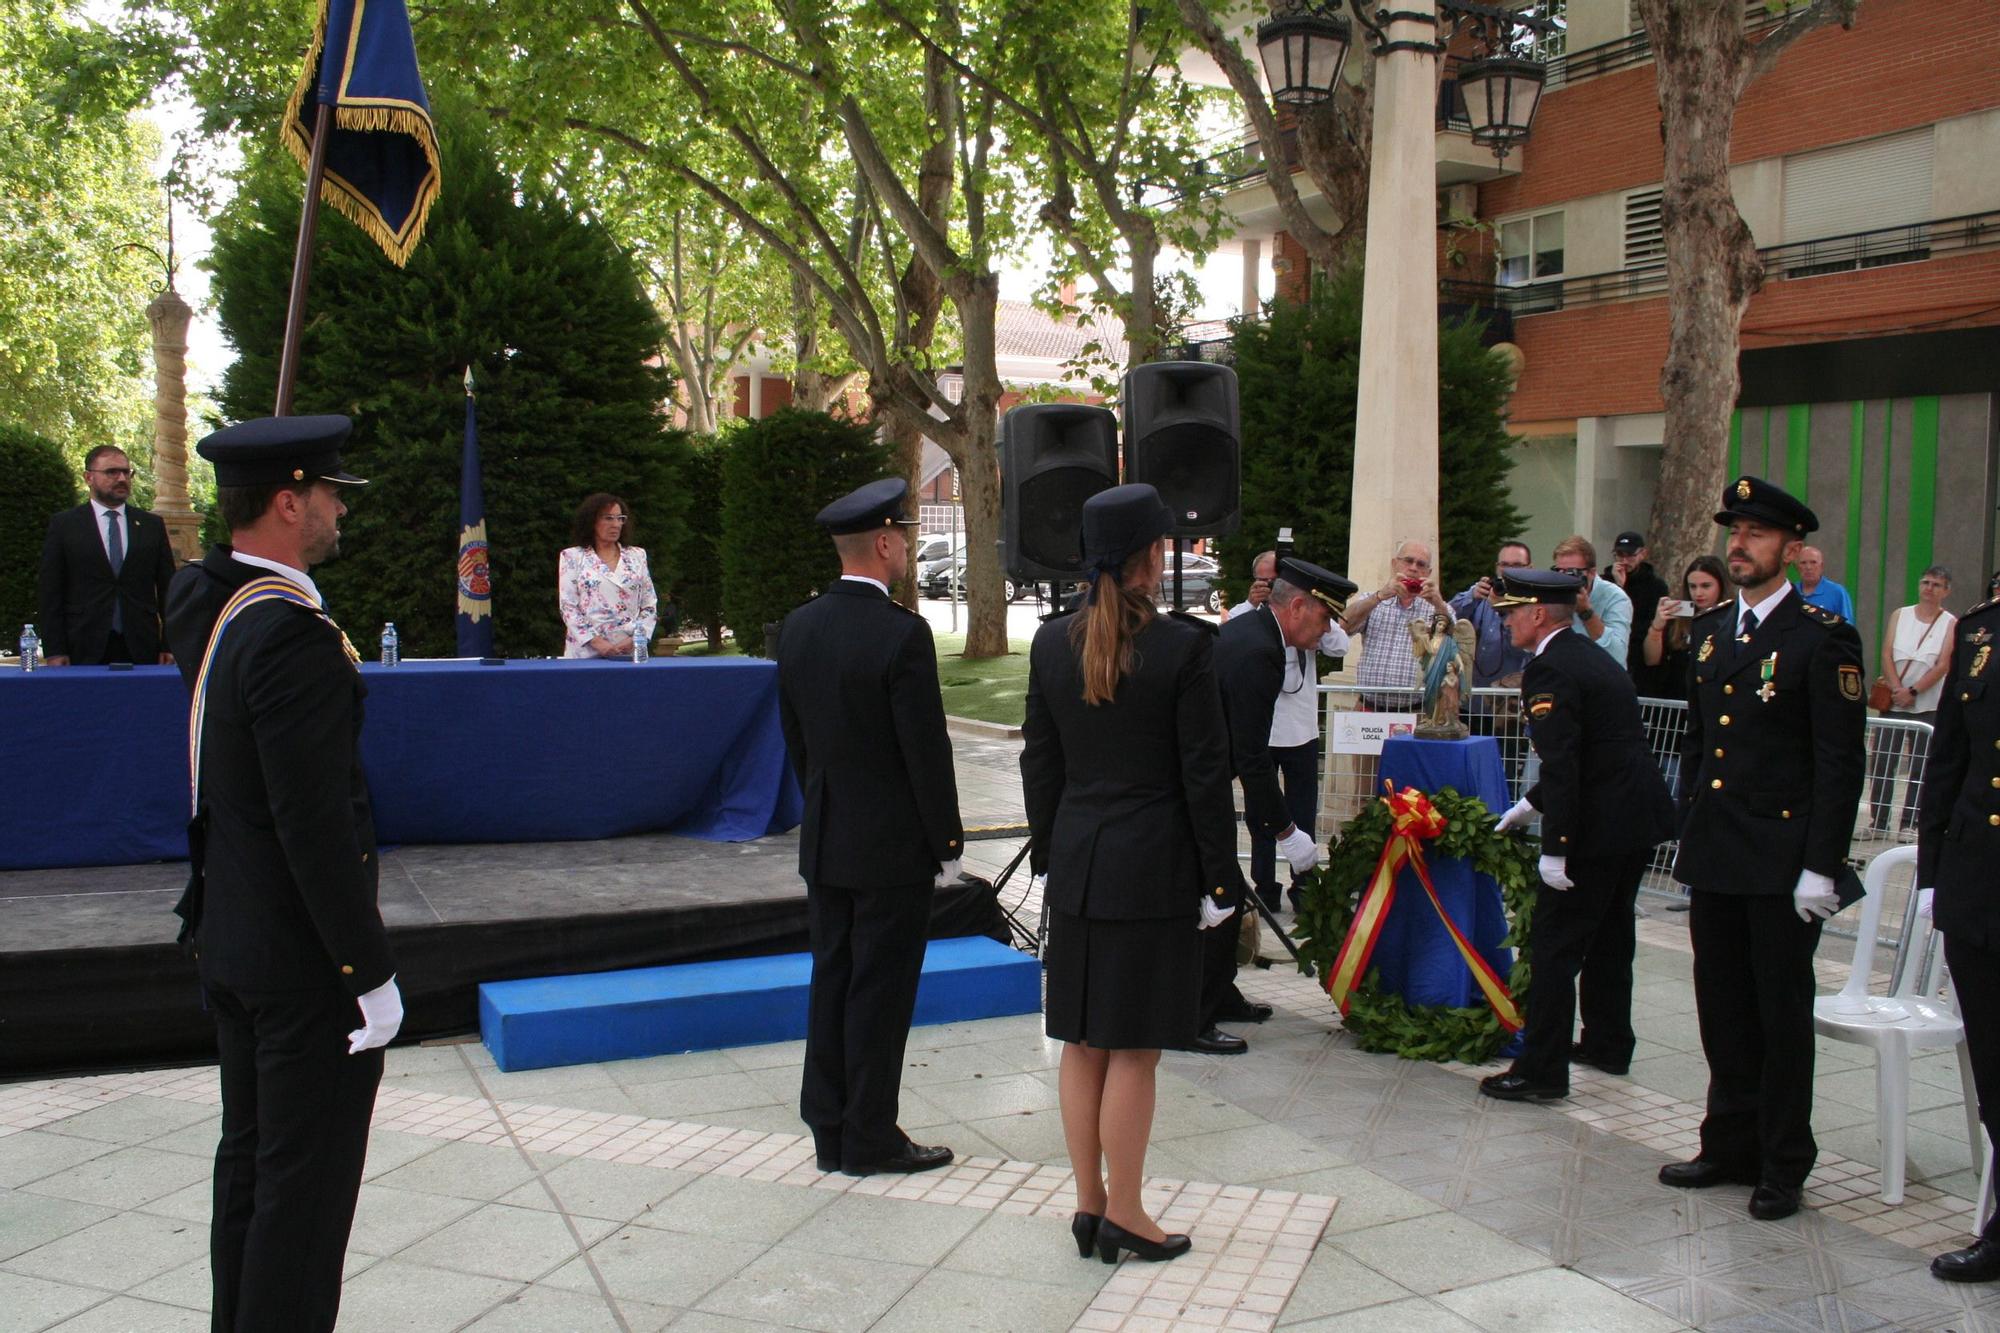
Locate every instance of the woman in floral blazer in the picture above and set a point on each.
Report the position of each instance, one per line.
(602, 583)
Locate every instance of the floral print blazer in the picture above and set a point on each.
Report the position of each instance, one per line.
(598, 599)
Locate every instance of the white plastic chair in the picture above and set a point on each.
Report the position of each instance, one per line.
(1909, 1018)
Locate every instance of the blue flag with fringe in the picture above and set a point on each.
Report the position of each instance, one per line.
(475, 575)
(381, 149)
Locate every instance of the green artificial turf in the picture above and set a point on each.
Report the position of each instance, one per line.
(988, 689)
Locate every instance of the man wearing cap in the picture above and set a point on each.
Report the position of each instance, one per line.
(105, 567)
(858, 696)
(281, 908)
(1771, 775)
(1257, 658)
(1604, 807)
(1643, 587)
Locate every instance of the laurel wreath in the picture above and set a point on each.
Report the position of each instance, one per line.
(1330, 894)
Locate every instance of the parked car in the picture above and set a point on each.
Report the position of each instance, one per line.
(1201, 584)
(945, 574)
(934, 556)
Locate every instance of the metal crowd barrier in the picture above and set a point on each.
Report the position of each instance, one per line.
(1897, 749)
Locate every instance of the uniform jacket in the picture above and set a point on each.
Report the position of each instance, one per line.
(1600, 791)
(1250, 669)
(1129, 803)
(1958, 829)
(1771, 770)
(284, 842)
(78, 589)
(858, 697)
(195, 598)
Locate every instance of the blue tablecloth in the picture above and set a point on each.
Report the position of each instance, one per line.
(533, 751)
(1414, 954)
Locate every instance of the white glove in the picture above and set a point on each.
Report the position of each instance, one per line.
(1555, 872)
(1299, 849)
(1814, 897)
(1040, 884)
(1214, 914)
(1518, 815)
(949, 872)
(381, 1018)
(1924, 904)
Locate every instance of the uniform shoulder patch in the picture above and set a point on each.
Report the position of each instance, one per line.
(1541, 705)
(1820, 613)
(1983, 606)
(1850, 682)
(1188, 618)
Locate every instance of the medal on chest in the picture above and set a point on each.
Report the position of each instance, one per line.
(1979, 660)
(1767, 671)
(1707, 649)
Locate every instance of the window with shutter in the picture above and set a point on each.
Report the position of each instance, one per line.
(1856, 187)
(1645, 242)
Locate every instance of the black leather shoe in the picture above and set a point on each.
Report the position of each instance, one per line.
(1977, 1262)
(1579, 1056)
(1244, 1011)
(1217, 1042)
(1768, 1203)
(1111, 1238)
(1083, 1227)
(912, 1157)
(1512, 1087)
(1701, 1174)
(828, 1165)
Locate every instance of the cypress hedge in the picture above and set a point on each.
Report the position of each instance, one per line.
(36, 482)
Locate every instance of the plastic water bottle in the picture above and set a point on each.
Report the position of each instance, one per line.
(639, 652)
(392, 652)
(31, 648)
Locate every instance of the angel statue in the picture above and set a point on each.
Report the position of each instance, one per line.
(1443, 650)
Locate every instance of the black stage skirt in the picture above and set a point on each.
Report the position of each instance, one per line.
(1123, 985)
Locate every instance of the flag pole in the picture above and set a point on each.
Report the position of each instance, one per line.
(295, 308)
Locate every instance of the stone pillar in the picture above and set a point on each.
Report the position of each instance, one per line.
(1396, 423)
(1253, 261)
(170, 315)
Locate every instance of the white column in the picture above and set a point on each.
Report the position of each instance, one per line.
(756, 392)
(1396, 426)
(1253, 261)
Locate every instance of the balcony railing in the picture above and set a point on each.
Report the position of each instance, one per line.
(1636, 48)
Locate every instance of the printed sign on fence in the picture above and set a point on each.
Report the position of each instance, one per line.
(1363, 733)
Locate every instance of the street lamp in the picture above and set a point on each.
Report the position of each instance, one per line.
(1501, 94)
(1302, 55)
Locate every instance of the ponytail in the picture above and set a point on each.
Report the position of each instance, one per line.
(1103, 631)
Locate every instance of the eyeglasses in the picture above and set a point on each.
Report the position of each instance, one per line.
(1513, 564)
(611, 518)
(1413, 562)
(114, 471)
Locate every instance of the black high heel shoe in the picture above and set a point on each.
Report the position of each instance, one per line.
(1084, 1226)
(1111, 1238)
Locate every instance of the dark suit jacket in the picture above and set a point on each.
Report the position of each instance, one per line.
(195, 598)
(1958, 830)
(285, 839)
(1129, 805)
(78, 589)
(1769, 786)
(1600, 791)
(858, 697)
(1250, 667)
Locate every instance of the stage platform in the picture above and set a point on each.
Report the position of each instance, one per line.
(90, 977)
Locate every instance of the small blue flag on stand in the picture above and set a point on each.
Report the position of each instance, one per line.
(475, 576)
(381, 152)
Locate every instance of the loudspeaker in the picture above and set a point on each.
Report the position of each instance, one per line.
(1053, 457)
(1182, 435)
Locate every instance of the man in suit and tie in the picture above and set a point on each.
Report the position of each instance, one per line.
(863, 719)
(1604, 807)
(105, 569)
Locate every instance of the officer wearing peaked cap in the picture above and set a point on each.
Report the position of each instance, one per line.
(281, 904)
(1771, 776)
(1304, 607)
(1603, 807)
(863, 719)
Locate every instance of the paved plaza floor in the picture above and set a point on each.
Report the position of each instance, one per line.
(1326, 1189)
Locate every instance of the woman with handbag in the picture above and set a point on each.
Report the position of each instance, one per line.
(1916, 654)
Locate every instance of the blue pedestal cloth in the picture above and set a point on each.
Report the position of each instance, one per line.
(1414, 953)
(532, 751)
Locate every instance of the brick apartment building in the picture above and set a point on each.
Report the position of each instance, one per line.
(1867, 165)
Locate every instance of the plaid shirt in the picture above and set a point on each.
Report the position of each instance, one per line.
(1388, 663)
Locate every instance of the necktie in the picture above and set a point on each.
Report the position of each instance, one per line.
(1744, 632)
(115, 547)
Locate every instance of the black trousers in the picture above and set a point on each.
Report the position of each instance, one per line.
(1975, 974)
(868, 955)
(295, 1114)
(1298, 773)
(1583, 940)
(1753, 991)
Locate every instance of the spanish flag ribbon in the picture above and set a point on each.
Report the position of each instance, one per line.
(1416, 821)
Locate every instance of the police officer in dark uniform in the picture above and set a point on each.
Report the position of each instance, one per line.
(281, 909)
(1604, 808)
(1771, 775)
(1958, 843)
(858, 696)
(1250, 667)
(195, 598)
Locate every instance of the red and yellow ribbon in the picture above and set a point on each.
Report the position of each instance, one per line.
(1416, 822)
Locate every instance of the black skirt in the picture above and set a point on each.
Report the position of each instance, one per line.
(1123, 985)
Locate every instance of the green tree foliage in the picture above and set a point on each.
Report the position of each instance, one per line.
(562, 340)
(76, 185)
(777, 473)
(1297, 372)
(698, 558)
(36, 481)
